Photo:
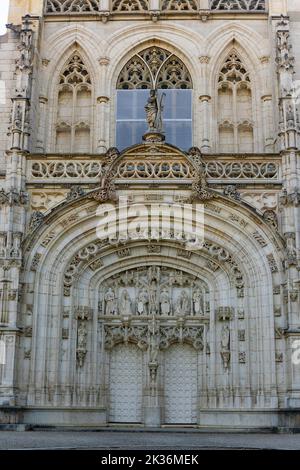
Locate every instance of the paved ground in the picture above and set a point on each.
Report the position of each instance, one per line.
(171, 440)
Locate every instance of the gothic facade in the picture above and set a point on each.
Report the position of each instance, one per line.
(106, 330)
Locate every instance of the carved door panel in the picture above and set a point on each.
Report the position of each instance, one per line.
(181, 385)
(125, 384)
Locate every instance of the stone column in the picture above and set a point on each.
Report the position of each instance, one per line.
(154, 9)
(154, 5)
(104, 9)
(204, 5)
(102, 108)
(277, 7)
(267, 111)
(103, 115)
(205, 116)
(43, 101)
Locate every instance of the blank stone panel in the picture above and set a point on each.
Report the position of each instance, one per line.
(63, 140)
(245, 137)
(82, 140)
(225, 104)
(226, 139)
(244, 104)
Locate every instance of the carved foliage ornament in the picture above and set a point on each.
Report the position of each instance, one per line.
(165, 336)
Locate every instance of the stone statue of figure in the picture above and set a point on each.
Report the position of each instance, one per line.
(153, 341)
(125, 304)
(165, 305)
(225, 338)
(110, 302)
(198, 303)
(142, 303)
(182, 304)
(225, 346)
(81, 336)
(154, 109)
(153, 298)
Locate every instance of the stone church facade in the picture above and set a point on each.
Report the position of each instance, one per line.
(95, 330)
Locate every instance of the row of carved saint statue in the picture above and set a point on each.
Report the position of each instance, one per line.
(150, 302)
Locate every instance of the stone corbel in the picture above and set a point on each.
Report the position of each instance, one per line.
(104, 15)
(204, 15)
(154, 14)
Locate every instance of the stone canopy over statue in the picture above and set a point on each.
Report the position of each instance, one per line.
(154, 116)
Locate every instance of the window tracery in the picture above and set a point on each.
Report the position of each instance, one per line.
(235, 106)
(130, 5)
(71, 6)
(73, 121)
(248, 5)
(179, 5)
(154, 67)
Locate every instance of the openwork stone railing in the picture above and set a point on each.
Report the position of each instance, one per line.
(54, 169)
(65, 170)
(242, 170)
(146, 6)
(153, 170)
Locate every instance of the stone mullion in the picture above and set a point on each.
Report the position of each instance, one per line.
(72, 143)
(235, 123)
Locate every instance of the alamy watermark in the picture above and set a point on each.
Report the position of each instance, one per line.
(124, 221)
